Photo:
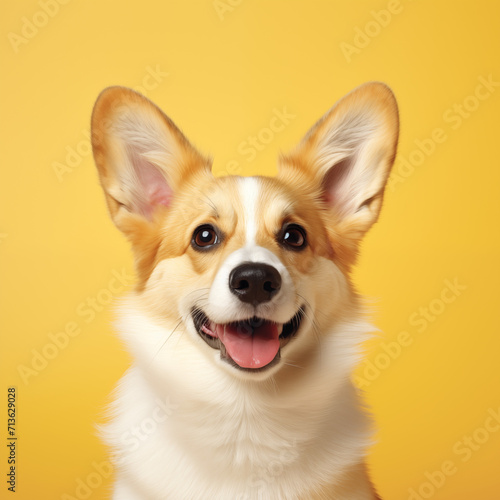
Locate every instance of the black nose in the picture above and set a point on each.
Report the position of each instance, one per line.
(254, 282)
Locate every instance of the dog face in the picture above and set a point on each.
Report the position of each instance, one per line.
(255, 270)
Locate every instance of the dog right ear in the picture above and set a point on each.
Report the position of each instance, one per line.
(141, 156)
(349, 154)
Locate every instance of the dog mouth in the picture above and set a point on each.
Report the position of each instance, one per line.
(253, 344)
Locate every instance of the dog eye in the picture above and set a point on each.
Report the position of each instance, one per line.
(204, 237)
(294, 237)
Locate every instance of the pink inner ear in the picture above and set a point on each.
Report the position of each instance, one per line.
(156, 190)
(153, 189)
(160, 195)
(334, 183)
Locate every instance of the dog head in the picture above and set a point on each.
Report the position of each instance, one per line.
(254, 270)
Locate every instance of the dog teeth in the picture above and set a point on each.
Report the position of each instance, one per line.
(209, 330)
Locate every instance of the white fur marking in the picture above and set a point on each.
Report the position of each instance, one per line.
(223, 307)
(249, 192)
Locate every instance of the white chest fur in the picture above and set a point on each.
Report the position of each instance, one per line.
(200, 434)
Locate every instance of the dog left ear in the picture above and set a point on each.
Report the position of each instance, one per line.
(349, 154)
(141, 156)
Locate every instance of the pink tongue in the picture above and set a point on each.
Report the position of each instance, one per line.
(250, 349)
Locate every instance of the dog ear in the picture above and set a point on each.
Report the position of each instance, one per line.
(348, 154)
(141, 156)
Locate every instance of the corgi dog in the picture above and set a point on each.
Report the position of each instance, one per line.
(243, 327)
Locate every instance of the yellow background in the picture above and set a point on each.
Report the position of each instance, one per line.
(225, 77)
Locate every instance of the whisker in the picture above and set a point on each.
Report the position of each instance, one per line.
(198, 290)
(210, 203)
(167, 339)
(292, 364)
(314, 323)
(273, 384)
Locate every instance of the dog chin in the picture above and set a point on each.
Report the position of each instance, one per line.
(251, 347)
